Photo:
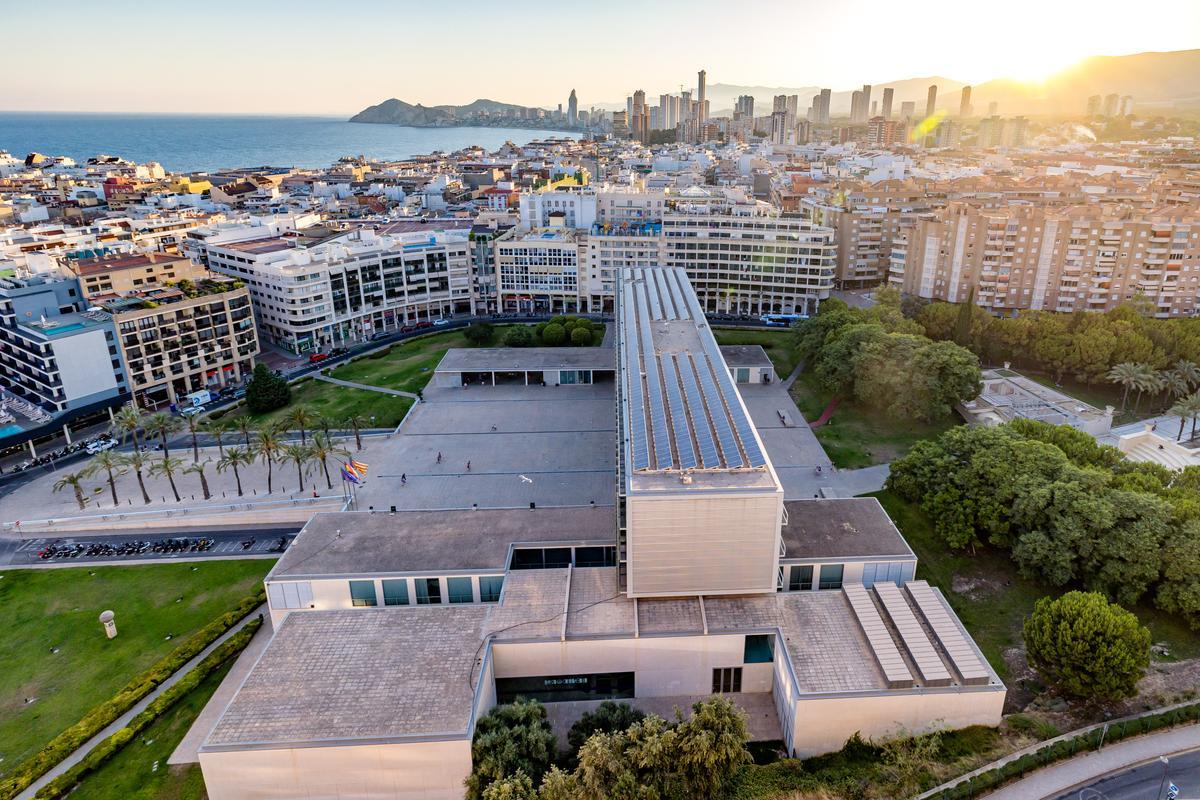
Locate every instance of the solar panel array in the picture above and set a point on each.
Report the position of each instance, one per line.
(912, 634)
(964, 657)
(887, 655)
(684, 409)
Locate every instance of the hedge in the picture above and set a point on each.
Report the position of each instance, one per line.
(1066, 748)
(126, 698)
(101, 753)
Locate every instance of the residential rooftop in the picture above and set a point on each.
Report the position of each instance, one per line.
(96, 266)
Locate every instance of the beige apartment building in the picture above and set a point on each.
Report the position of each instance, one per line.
(132, 272)
(1090, 258)
(537, 270)
(178, 340)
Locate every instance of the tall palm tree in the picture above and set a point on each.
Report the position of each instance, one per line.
(111, 464)
(236, 457)
(75, 481)
(1127, 373)
(300, 455)
(1175, 384)
(194, 425)
(324, 448)
(217, 428)
(162, 425)
(139, 461)
(245, 426)
(267, 446)
(300, 417)
(356, 422)
(167, 468)
(1182, 409)
(198, 468)
(1193, 406)
(127, 421)
(324, 422)
(1151, 382)
(1189, 371)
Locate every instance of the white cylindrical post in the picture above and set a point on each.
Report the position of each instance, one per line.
(107, 618)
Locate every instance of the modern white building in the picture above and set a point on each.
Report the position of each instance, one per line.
(395, 632)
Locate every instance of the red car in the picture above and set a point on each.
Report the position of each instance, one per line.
(317, 357)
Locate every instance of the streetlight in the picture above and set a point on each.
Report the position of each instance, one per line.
(1165, 762)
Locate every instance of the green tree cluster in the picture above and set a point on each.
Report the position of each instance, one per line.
(560, 331)
(1086, 647)
(1068, 510)
(480, 333)
(266, 391)
(881, 359)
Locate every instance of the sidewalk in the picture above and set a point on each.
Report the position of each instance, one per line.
(321, 376)
(124, 719)
(1060, 778)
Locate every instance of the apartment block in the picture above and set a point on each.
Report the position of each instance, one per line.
(132, 272)
(537, 271)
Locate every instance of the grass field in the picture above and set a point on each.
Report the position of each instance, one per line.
(407, 366)
(779, 345)
(54, 652)
(994, 599)
(140, 771)
(859, 437)
(337, 402)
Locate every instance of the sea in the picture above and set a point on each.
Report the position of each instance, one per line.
(192, 143)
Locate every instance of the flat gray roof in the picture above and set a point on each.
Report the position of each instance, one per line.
(745, 355)
(372, 543)
(852, 527)
(520, 359)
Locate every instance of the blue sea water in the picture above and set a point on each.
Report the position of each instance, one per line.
(187, 143)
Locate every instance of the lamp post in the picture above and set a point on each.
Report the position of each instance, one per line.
(1165, 762)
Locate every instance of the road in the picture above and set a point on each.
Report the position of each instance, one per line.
(1141, 783)
(228, 542)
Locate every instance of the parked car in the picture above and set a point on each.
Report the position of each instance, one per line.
(338, 351)
(191, 411)
(425, 324)
(238, 394)
(100, 446)
(381, 335)
(317, 358)
(440, 322)
(407, 328)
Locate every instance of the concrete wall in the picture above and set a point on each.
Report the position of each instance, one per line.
(413, 771)
(823, 725)
(664, 666)
(334, 593)
(703, 543)
(85, 366)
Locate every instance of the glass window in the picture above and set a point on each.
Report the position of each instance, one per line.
(759, 649)
(429, 591)
(801, 578)
(831, 576)
(595, 556)
(362, 593)
(743, 375)
(489, 588)
(541, 558)
(395, 592)
(726, 680)
(460, 590)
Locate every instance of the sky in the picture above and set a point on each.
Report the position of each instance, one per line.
(321, 57)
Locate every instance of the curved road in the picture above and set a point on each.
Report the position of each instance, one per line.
(1142, 783)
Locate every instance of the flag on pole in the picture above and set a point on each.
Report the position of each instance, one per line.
(349, 476)
(359, 467)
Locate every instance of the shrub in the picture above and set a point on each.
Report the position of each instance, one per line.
(266, 391)
(100, 717)
(1032, 726)
(512, 738)
(581, 337)
(609, 717)
(554, 335)
(518, 336)
(1087, 647)
(480, 333)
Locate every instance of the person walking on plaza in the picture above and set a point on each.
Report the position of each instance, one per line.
(468, 466)
(439, 460)
(404, 479)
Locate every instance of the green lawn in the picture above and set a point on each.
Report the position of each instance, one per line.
(995, 599)
(407, 366)
(780, 345)
(859, 437)
(140, 772)
(337, 402)
(54, 651)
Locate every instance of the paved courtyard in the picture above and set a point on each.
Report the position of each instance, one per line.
(553, 446)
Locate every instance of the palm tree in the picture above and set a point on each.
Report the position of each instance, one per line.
(1193, 408)
(1189, 371)
(162, 425)
(167, 468)
(324, 423)
(139, 461)
(198, 468)
(1127, 374)
(300, 417)
(1151, 382)
(218, 428)
(356, 422)
(236, 457)
(194, 424)
(268, 446)
(324, 448)
(127, 421)
(1182, 409)
(300, 455)
(1175, 384)
(111, 464)
(244, 426)
(75, 481)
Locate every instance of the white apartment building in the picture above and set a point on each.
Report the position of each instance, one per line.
(343, 287)
(573, 206)
(537, 271)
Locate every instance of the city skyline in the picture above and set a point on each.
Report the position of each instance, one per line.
(197, 67)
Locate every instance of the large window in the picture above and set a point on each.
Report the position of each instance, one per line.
(362, 593)
(595, 556)
(726, 680)
(759, 649)
(395, 592)
(489, 588)
(564, 688)
(429, 591)
(831, 576)
(541, 558)
(801, 578)
(889, 571)
(460, 590)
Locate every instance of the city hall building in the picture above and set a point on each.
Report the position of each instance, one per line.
(395, 632)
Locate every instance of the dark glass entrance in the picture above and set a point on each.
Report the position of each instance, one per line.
(563, 688)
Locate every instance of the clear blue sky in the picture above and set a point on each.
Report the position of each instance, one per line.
(305, 56)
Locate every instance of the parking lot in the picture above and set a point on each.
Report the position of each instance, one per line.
(552, 446)
(260, 542)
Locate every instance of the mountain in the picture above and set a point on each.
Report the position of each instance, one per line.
(398, 112)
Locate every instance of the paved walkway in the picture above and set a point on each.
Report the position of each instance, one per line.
(187, 752)
(124, 719)
(323, 377)
(790, 379)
